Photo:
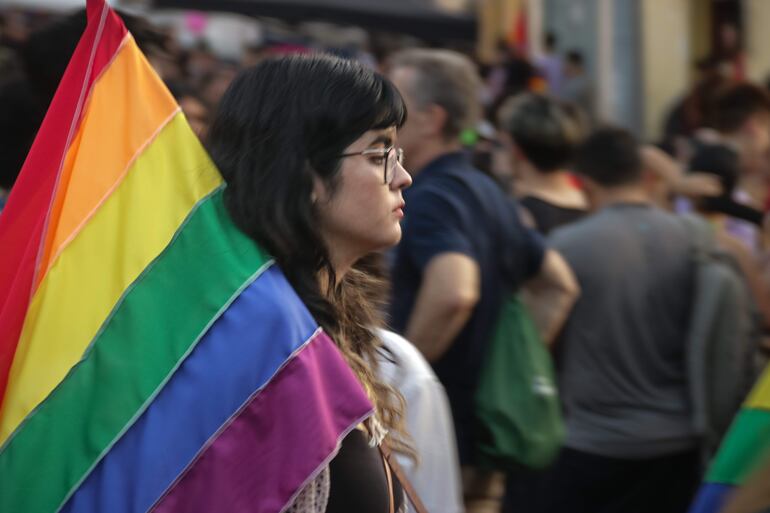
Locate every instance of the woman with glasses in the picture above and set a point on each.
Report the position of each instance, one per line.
(307, 146)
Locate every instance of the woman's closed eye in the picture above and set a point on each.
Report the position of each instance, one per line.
(377, 159)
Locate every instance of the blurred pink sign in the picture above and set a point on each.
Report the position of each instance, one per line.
(196, 22)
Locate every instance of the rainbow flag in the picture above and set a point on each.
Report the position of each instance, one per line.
(745, 448)
(152, 357)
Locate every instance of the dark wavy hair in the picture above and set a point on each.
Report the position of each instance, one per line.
(280, 125)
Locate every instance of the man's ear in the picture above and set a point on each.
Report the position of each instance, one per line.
(433, 119)
(511, 148)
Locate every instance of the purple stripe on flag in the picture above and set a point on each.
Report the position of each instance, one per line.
(259, 461)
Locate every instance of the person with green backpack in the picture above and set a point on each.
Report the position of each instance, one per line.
(518, 408)
(464, 249)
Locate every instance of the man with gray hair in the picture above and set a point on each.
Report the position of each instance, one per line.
(463, 250)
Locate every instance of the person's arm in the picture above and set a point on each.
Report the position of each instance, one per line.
(550, 295)
(670, 172)
(450, 290)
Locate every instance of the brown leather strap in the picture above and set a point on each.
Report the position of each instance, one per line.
(392, 499)
(405, 484)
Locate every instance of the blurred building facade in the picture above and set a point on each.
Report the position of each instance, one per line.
(640, 54)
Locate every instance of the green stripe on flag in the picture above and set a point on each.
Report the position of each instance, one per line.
(152, 329)
(745, 447)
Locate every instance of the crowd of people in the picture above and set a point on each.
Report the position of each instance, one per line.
(510, 185)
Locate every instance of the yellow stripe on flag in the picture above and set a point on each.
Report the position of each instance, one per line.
(103, 150)
(760, 395)
(130, 229)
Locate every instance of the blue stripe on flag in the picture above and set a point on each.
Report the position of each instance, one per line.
(240, 353)
(710, 498)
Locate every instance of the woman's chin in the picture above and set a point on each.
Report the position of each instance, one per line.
(396, 236)
(388, 240)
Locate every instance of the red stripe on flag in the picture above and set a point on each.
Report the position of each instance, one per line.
(23, 221)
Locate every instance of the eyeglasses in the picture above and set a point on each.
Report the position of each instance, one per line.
(390, 157)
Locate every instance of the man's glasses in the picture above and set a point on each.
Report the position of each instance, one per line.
(389, 157)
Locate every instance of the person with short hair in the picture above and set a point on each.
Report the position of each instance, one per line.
(577, 87)
(541, 138)
(194, 108)
(741, 115)
(724, 164)
(740, 120)
(630, 444)
(550, 64)
(464, 249)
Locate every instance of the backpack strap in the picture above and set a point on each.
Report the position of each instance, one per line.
(697, 347)
(701, 237)
(719, 340)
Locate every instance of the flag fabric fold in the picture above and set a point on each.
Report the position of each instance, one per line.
(745, 448)
(152, 356)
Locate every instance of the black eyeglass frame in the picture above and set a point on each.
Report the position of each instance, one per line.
(382, 153)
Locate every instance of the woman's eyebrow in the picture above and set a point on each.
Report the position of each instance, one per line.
(382, 139)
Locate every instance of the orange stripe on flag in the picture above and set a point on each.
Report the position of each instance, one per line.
(125, 91)
(22, 225)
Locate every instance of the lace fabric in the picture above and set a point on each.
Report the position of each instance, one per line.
(315, 496)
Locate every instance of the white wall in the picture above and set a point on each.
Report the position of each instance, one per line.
(666, 58)
(757, 29)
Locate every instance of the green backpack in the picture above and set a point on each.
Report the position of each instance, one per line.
(518, 414)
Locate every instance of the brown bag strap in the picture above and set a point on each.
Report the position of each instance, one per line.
(405, 484)
(391, 496)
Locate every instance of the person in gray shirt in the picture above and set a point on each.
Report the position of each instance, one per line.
(630, 444)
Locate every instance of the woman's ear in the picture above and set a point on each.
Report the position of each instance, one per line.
(320, 191)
